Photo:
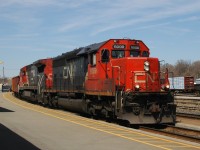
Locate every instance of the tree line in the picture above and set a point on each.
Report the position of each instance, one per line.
(183, 68)
(5, 80)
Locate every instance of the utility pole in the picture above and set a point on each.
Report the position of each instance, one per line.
(1, 62)
(3, 76)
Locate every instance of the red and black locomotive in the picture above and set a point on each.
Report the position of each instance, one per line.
(114, 79)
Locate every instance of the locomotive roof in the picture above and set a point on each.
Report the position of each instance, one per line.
(25, 67)
(40, 61)
(91, 48)
(81, 51)
(68, 55)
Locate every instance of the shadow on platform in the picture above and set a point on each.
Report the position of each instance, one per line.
(11, 141)
(5, 110)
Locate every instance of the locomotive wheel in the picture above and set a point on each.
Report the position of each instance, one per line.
(50, 104)
(45, 101)
(53, 103)
(92, 111)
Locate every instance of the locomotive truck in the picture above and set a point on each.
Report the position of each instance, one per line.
(114, 79)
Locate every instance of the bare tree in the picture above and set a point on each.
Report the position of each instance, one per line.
(183, 68)
(195, 69)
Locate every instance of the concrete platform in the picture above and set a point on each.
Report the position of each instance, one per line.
(44, 128)
(10, 140)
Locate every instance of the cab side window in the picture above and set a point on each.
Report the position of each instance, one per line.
(92, 59)
(145, 54)
(105, 55)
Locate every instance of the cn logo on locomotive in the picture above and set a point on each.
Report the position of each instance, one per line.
(142, 73)
(67, 72)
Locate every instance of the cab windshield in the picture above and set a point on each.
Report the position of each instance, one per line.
(118, 53)
(134, 53)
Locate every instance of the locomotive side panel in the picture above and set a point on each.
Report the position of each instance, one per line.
(76, 69)
(58, 66)
(32, 73)
(69, 74)
(48, 69)
(23, 77)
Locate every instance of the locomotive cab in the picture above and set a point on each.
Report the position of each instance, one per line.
(123, 70)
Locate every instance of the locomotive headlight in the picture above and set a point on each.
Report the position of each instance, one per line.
(137, 87)
(146, 66)
(167, 86)
(146, 63)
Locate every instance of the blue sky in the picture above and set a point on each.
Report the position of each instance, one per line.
(36, 29)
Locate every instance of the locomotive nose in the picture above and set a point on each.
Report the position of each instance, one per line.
(143, 74)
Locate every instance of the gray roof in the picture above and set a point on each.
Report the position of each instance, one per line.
(91, 48)
(68, 55)
(80, 51)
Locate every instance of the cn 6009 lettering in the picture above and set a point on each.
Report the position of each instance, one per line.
(112, 79)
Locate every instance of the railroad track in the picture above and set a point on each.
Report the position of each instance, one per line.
(186, 94)
(188, 106)
(188, 115)
(173, 131)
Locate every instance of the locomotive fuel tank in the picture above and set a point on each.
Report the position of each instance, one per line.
(76, 105)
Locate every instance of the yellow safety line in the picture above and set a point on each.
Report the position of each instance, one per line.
(185, 145)
(174, 145)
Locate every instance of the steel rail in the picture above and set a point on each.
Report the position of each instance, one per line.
(173, 131)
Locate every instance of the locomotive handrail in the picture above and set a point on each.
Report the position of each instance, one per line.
(119, 72)
(40, 83)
